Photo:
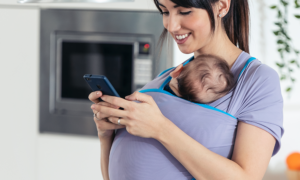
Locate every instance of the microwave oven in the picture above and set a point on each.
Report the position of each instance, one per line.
(122, 45)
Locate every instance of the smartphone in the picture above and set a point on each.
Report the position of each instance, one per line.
(100, 83)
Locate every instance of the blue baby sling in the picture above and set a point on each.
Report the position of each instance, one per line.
(136, 158)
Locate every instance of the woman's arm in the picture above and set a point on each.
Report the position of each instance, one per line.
(105, 132)
(104, 157)
(252, 152)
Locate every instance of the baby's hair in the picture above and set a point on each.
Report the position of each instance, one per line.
(202, 68)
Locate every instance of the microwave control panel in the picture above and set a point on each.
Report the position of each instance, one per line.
(142, 71)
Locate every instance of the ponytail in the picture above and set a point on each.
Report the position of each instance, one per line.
(236, 24)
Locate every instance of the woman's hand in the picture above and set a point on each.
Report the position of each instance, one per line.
(104, 127)
(142, 118)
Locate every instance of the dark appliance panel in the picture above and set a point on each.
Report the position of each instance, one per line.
(112, 60)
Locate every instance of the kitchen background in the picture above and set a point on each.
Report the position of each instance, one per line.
(27, 154)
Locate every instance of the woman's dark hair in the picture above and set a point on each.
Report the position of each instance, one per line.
(236, 21)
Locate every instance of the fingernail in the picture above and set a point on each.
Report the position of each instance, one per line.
(126, 97)
(93, 106)
(98, 93)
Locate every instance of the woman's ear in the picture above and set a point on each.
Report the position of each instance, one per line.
(223, 7)
(177, 71)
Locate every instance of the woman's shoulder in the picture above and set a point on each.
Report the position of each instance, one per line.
(261, 75)
(261, 88)
(264, 71)
(252, 68)
(257, 88)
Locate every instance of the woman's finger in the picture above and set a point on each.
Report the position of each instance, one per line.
(100, 116)
(115, 120)
(117, 101)
(104, 111)
(104, 125)
(95, 115)
(102, 103)
(95, 112)
(94, 96)
(137, 96)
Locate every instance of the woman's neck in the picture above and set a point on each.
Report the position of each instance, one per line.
(221, 46)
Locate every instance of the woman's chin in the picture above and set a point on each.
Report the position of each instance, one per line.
(185, 50)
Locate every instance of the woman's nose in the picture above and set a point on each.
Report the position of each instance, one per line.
(173, 24)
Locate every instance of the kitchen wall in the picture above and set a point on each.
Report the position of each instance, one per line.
(28, 155)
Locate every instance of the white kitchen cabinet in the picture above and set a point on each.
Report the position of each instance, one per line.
(18, 92)
(25, 153)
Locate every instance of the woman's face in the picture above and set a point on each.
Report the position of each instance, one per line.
(190, 27)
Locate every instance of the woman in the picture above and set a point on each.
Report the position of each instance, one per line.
(214, 27)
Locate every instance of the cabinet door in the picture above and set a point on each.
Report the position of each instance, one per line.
(19, 32)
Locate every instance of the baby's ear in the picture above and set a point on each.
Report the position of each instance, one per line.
(177, 71)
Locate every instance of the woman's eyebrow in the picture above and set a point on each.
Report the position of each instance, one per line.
(176, 6)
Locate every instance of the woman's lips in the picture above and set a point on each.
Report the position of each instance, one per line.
(181, 41)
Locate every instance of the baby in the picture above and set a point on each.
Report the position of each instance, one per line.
(203, 80)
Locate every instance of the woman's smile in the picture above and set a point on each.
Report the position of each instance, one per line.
(181, 38)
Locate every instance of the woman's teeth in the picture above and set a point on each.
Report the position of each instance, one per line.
(181, 36)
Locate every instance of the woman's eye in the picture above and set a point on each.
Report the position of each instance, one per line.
(185, 13)
(165, 13)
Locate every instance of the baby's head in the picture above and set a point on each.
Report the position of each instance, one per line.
(203, 80)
